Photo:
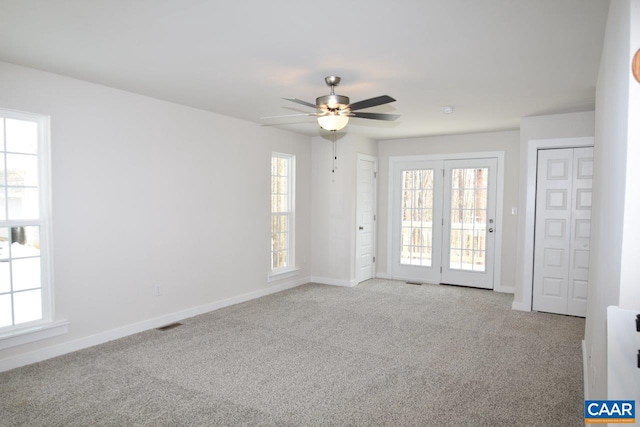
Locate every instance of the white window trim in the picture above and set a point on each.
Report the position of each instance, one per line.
(44, 328)
(283, 274)
(291, 270)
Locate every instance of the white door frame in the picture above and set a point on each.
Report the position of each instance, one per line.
(530, 209)
(499, 155)
(360, 156)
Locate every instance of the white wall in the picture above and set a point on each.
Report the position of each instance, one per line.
(630, 273)
(615, 234)
(557, 126)
(147, 192)
(452, 144)
(334, 208)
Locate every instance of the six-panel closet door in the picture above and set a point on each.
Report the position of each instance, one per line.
(562, 230)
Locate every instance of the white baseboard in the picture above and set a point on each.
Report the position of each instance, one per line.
(505, 289)
(113, 334)
(585, 371)
(383, 276)
(334, 282)
(517, 305)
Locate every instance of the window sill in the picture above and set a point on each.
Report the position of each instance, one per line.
(282, 274)
(33, 333)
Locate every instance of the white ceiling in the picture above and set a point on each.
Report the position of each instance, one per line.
(495, 61)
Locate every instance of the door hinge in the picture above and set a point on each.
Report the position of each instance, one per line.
(375, 174)
(374, 259)
(374, 217)
(440, 270)
(443, 173)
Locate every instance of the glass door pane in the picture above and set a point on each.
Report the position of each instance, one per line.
(468, 219)
(416, 245)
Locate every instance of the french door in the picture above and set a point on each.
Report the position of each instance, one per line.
(444, 221)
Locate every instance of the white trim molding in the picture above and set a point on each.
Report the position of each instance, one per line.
(585, 371)
(334, 282)
(18, 337)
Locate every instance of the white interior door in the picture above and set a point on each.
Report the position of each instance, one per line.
(562, 229)
(469, 222)
(365, 214)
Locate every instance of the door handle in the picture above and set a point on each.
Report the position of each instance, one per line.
(491, 230)
(361, 228)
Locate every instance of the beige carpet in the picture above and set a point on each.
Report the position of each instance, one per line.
(383, 353)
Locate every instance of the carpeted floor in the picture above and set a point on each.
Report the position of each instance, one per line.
(383, 353)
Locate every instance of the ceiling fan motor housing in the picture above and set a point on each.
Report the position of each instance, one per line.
(332, 102)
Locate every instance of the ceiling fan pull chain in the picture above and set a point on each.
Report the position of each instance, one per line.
(335, 153)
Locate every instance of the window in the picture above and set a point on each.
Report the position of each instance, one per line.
(282, 212)
(24, 221)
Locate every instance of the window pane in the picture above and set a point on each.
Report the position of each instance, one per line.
(478, 261)
(23, 203)
(4, 243)
(281, 185)
(22, 170)
(5, 310)
(5, 277)
(27, 306)
(25, 241)
(2, 174)
(3, 203)
(283, 167)
(22, 136)
(282, 204)
(25, 273)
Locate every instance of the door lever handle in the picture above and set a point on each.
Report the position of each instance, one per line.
(361, 228)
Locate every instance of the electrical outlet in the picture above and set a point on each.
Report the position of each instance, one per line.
(157, 290)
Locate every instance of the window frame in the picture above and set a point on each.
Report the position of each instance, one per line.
(44, 224)
(290, 214)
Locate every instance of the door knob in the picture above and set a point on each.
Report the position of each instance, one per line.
(491, 230)
(361, 228)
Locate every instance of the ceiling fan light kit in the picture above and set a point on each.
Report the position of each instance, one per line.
(333, 121)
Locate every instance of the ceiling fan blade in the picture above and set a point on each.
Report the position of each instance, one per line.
(300, 101)
(375, 116)
(289, 115)
(371, 102)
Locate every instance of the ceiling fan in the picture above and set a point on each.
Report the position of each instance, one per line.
(333, 111)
